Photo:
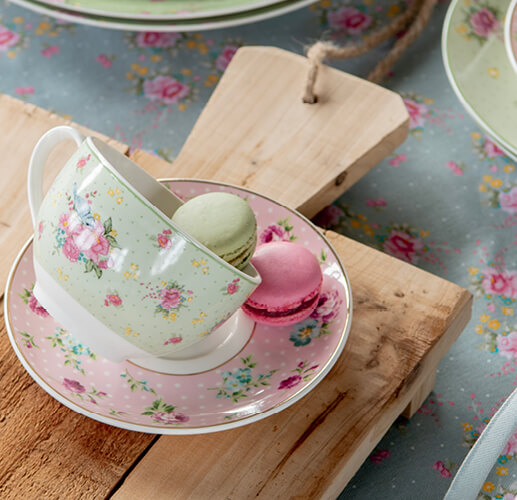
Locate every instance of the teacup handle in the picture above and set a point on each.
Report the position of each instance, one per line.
(39, 159)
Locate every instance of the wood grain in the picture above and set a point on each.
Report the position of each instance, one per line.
(21, 125)
(404, 321)
(256, 132)
(50, 452)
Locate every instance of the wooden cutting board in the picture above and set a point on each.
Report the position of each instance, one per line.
(405, 319)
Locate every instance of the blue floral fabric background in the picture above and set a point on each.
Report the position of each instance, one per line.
(445, 201)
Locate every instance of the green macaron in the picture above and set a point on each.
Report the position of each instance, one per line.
(222, 222)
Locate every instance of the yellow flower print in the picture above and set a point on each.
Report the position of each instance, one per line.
(487, 178)
(182, 106)
(479, 329)
(205, 270)
(368, 230)
(191, 44)
(129, 332)
(142, 71)
(488, 487)
(325, 4)
(110, 192)
(96, 216)
(205, 333)
(186, 71)
(493, 72)
(62, 276)
(473, 270)
(484, 318)
(129, 76)
(18, 20)
(135, 66)
(201, 318)
(494, 324)
(461, 29)
(119, 200)
(496, 183)
(127, 275)
(355, 223)
(507, 311)
(134, 267)
(393, 11)
(190, 299)
(508, 168)
(502, 470)
(467, 426)
(113, 232)
(476, 136)
(117, 191)
(156, 58)
(195, 263)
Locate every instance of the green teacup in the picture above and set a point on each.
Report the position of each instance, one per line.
(110, 265)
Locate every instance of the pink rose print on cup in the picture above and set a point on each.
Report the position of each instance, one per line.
(290, 382)
(492, 150)
(302, 374)
(484, 22)
(456, 169)
(165, 89)
(511, 446)
(29, 299)
(349, 20)
(163, 239)
(224, 58)
(403, 246)
(328, 217)
(113, 299)
(157, 40)
(397, 160)
(508, 201)
(50, 51)
(273, 233)
(70, 250)
(8, 38)
(500, 283)
(163, 413)
(170, 298)
(231, 288)
(507, 345)
(74, 386)
(417, 112)
(173, 340)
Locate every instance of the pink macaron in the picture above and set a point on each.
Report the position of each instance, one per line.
(291, 284)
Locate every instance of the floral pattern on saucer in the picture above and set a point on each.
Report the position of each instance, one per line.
(277, 366)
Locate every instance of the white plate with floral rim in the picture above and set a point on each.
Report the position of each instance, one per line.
(277, 367)
(478, 68)
(173, 25)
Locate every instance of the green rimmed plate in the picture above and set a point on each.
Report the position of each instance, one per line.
(478, 68)
(184, 25)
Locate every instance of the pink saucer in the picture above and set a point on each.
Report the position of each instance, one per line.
(277, 367)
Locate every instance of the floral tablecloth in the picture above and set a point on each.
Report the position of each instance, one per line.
(445, 201)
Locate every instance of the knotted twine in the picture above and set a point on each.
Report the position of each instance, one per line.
(416, 17)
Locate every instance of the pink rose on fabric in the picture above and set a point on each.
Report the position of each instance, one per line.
(171, 298)
(73, 386)
(273, 233)
(163, 241)
(399, 159)
(104, 60)
(454, 167)
(440, 467)
(328, 306)
(36, 307)
(157, 40)
(290, 382)
(511, 446)
(8, 38)
(484, 22)
(508, 201)
(381, 202)
(232, 288)
(170, 418)
(349, 20)
(417, 113)
(507, 346)
(403, 246)
(328, 217)
(379, 456)
(500, 283)
(165, 89)
(492, 149)
(70, 250)
(50, 51)
(224, 58)
(92, 242)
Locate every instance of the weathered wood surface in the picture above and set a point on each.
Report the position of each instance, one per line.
(404, 321)
(256, 132)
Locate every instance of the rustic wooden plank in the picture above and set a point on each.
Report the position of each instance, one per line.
(49, 452)
(256, 132)
(21, 125)
(405, 320)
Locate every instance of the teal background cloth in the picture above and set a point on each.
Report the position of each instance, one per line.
(442, 201)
